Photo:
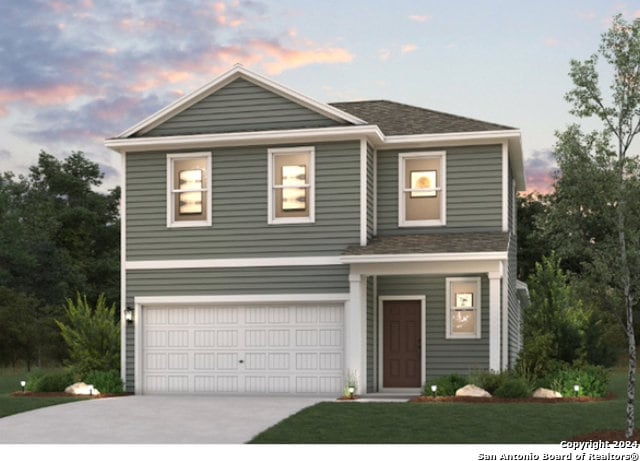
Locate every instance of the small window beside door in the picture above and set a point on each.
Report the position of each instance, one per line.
(463, 308)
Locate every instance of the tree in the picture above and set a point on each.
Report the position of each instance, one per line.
(554, 322)
(58, 236)
(18, 328)
(532, 245)
(92, 335)
(599, 183)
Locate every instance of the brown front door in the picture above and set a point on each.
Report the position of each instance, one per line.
(402, 341)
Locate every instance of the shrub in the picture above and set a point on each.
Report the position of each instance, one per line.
(92, 335)
(593, 381)
(56, 381)
(488, 380)
(107, 382)
(447, 385)
(513, 387)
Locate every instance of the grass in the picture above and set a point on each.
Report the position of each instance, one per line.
(454, 423)
(10, 383)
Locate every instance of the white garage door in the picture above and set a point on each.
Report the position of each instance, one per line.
(267, 349)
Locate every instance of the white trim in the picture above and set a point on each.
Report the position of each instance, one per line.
(254, 138)
(355, 327)
(232, 262)
(505, 187)
(222, 80)
(423, 339)
(495, 319)
(363, 192)
(442, 189)
(474, 137)
(171, 212)
(240, 299)
(424, 257)
(375, 192)
(271, 154)
(477, 334)
(123, 270)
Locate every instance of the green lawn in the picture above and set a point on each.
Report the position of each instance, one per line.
(352, 422)
(10, 383)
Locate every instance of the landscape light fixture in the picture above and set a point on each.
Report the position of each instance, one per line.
(23, 384)
(128, 314)
(576, 389)
(352, 389)
(434, 389)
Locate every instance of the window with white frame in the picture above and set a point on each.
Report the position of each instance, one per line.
(291, 185)
(422, 194)
(463, 308)
(189, 189)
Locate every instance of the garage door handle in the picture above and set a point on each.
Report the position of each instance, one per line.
(241, 361)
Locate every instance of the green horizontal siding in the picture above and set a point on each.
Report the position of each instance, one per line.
(474, 191)
(241, 281)
(239, 208)
(241, 106)
(443, 356)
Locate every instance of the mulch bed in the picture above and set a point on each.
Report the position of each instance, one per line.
(425, 399)
(64, 394)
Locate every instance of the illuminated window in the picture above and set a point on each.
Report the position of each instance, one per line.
(422, 197)
(463, 307)
(291, 185)
(189, 192)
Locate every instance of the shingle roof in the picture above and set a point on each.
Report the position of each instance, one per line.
(470, 242)
(394, 118)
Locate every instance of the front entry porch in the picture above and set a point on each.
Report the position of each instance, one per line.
(390, 347)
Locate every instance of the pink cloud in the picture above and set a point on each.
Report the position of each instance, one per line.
(48, 96)
(384, 55)
(551, 42)
(419, 17)
(586, 15)
(408, 48)
(279, 58)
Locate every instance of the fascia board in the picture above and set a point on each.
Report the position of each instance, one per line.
(371, 132)
(428, 257)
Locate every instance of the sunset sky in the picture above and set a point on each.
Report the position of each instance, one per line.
(73, 73)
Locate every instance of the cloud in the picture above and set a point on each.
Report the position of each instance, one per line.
(419, 17)
(5, 155)
(539, 169)
(384, 54)
(408, 48)
(551, 42)
(280, 58)
(82, 71)
(586, 16)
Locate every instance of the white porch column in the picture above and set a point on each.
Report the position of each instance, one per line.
(495, 320)
(355, 331)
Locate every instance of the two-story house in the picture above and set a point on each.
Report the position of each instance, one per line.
(273, 244)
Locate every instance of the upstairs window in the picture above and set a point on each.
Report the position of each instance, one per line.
(189, 189)
(291, 185)
(422, 194)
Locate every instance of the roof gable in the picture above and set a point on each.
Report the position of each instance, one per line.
(238, 101)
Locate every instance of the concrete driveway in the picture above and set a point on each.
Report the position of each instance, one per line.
(151, 420)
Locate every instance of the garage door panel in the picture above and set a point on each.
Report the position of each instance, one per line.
(204, 361)
(243, 349)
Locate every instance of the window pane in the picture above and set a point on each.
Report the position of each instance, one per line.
(463, 321)
(422, 173)
(291, 185)
(190, 174)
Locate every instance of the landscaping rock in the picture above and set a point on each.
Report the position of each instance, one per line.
(471, 390)
(542, 393)
(82, 389)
